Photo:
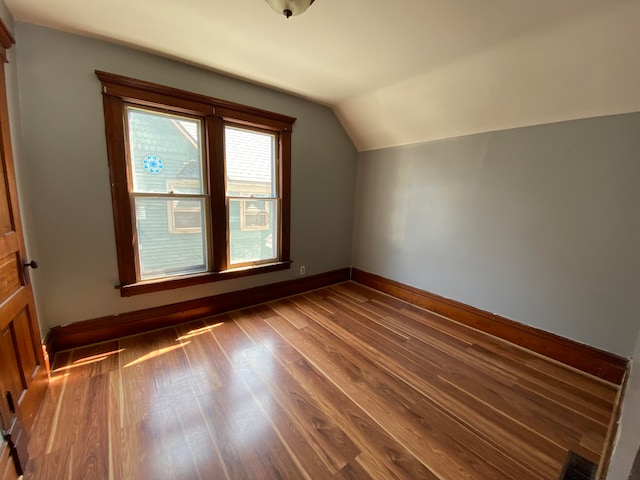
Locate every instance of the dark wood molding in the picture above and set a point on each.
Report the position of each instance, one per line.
(126, 87)
(6, 41)
(599, 363)
(218, 219)
(285, 194)
(116, 155)
(151, 286)
(115, 326)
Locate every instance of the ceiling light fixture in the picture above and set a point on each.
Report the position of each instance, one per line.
(290, 7)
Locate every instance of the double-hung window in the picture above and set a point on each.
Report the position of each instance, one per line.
(200, 186)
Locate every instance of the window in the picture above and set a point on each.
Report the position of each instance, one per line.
(200, 186)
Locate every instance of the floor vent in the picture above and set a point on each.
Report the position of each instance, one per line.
(578, 468)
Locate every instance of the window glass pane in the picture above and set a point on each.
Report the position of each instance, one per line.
(183, 185)
(252, 230)
(171, 236)
(249, 162)
(165, 152)
(185, 216)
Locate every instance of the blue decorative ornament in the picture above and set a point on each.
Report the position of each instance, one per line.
(153, 164)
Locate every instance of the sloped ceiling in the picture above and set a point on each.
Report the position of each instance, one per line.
(395, 71)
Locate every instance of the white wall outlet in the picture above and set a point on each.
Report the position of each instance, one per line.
(303, 270)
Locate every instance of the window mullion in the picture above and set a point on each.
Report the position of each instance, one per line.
(215, 146)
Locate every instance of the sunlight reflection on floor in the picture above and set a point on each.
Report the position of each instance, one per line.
(81, 362)
(198, 331)
(156, 353)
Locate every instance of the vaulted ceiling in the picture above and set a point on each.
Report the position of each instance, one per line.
(394, 71)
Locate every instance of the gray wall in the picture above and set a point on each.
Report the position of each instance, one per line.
(66, 159)
(628, 441)
(5, 15)
(538, 224)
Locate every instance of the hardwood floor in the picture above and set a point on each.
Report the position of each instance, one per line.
(342, 382)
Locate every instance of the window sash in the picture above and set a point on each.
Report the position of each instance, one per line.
(274, 229)
(245, 185)
(134, 182)
(165, 259)
(143, 274)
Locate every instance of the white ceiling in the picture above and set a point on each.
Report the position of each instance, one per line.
(396, 71)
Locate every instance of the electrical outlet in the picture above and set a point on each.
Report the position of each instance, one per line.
(303, 270)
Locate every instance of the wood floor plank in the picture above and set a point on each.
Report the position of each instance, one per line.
(91, 449)
(56, 465)
(408, 367)
(120, 460)
(255, 408)
(525, 360)
(69, 414)
(353, 471)
(47, 419)
(558, 389)
(384, 456)
(343, 382)
(401, 420)
(265, 374)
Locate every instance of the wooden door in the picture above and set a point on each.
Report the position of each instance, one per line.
(23, 372)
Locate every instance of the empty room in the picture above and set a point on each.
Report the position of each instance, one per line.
(298, 239)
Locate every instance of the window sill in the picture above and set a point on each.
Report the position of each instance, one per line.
(161, 284)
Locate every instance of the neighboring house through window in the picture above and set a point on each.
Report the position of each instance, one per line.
(200, 186)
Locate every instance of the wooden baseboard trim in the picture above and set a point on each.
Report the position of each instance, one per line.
(599, 363)
(116, 326)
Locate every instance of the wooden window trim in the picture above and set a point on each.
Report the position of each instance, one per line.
(158, 285)
(119, 91)
(152, 94)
